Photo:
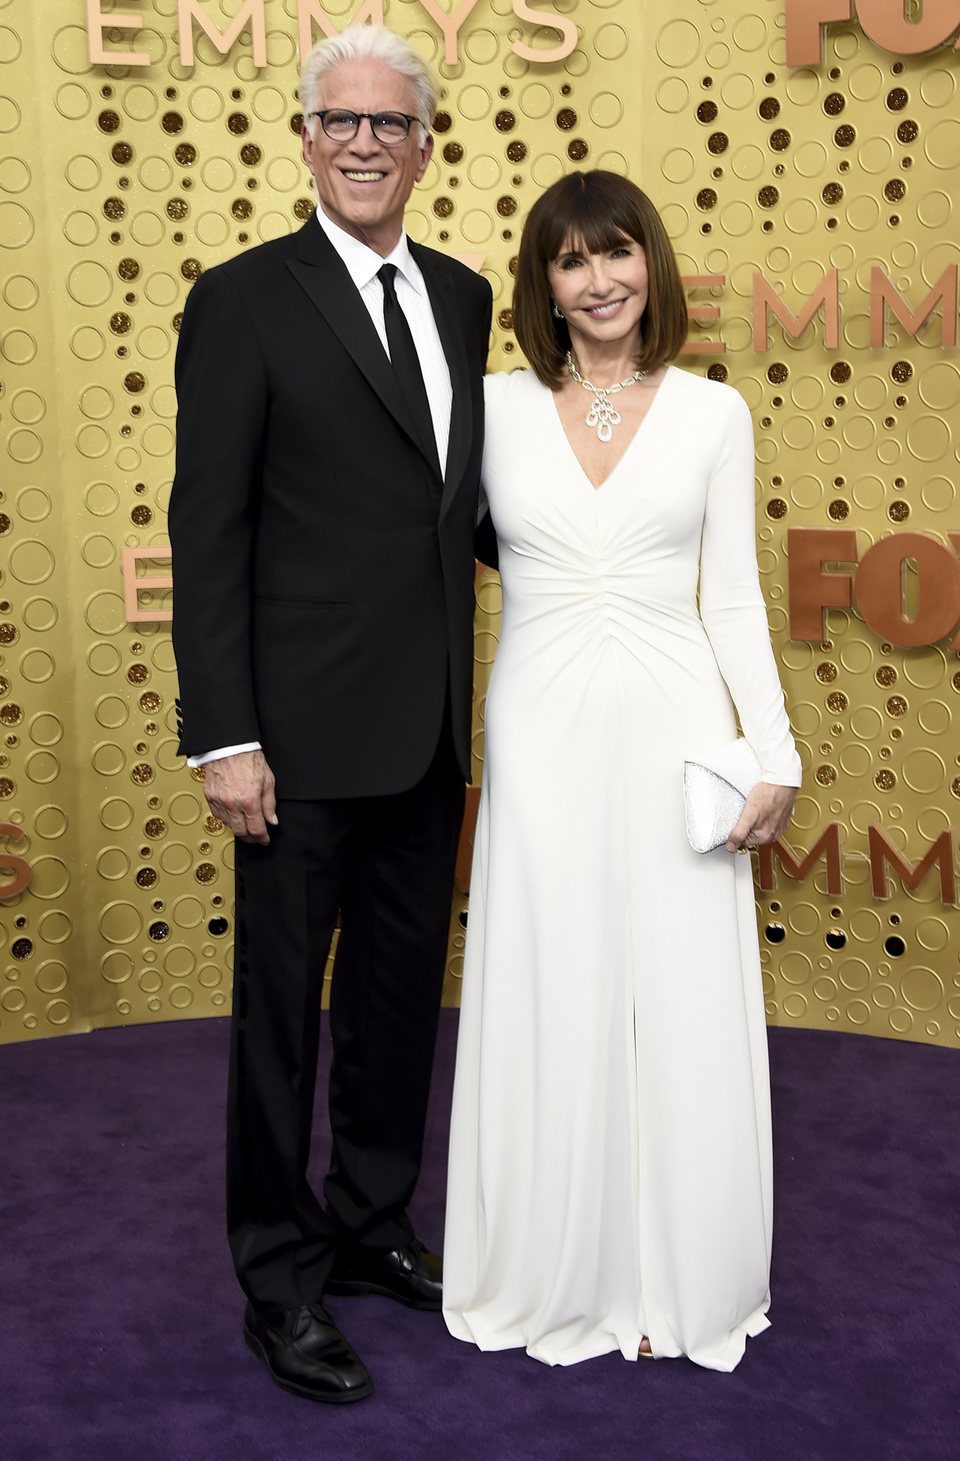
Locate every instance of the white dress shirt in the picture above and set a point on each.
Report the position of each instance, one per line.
(362, 264)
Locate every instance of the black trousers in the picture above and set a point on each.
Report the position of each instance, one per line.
(387, 864)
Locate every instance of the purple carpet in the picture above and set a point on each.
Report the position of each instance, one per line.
(121, 1318)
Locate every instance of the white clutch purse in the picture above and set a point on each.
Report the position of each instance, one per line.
(715, 788)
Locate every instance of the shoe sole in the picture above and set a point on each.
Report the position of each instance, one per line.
(357, 1289)
(346, 1398)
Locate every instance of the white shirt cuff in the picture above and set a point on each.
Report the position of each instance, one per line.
(223, 751)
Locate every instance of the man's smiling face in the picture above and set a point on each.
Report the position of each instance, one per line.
(363, 185)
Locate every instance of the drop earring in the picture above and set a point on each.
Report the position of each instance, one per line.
(557, 311)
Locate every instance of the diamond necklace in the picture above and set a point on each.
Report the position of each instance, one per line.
(603, 414)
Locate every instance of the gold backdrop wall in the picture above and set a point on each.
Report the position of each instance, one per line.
(121, 183)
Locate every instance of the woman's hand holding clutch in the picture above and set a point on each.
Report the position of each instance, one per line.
(765, 817)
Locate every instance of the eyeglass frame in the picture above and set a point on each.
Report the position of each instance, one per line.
(370, 117)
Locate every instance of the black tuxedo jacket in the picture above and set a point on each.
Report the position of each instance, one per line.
(323, 573)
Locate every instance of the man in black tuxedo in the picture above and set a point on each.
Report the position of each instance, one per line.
(322, 521)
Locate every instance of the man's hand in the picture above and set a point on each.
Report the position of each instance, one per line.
(240, 790)
(764, 818)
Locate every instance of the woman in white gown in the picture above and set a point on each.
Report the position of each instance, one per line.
(610, 1161)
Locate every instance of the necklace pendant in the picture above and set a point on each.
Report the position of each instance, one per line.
(603, 415)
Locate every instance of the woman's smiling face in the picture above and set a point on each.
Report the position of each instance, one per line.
(602, 295)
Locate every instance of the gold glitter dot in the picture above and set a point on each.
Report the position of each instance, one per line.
(896, 705)
(238, 123)
(7, 788)
(241, 208)
(825, 775)
(717, 143)
(134, 382)
(159, 931)
(578, 149)
(845, 135)
(443, 207)
(205, 872)
(769, 108)
(776, 508)
(250, 153)
(10, 714)
(172, 123)
(897, 99)
(780, 139)
(128, 269)
(908, 131)
(838, 510)
(840, 372)
(834, 103)
(142, 773)
(885, 780)
(826, 672)
(108, 121)
(832, 193)
(212, 824)
(504, 121)
(185, 154)
(706, 199)
(452, 153)
(717, 372)
(122, 153)
(707, 111)
(9, 634)
(516, 151)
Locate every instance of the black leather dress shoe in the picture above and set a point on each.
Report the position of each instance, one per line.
(409, 1274)
(305, 1352)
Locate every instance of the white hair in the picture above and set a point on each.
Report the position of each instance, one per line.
(371, 43)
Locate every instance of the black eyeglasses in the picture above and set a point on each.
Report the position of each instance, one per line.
(390, 128)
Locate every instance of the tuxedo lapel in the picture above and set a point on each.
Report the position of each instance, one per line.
(322, 275)
(444, 305)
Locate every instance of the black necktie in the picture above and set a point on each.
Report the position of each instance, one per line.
(406, 364)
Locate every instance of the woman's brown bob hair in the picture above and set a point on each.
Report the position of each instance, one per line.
(596, 210)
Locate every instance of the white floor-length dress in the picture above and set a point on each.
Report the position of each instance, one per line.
(610, 1157)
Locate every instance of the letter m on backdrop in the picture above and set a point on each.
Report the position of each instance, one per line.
(826, 846)
(250, 12)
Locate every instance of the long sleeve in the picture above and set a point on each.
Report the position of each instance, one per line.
(222, 401)
(732, 606)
